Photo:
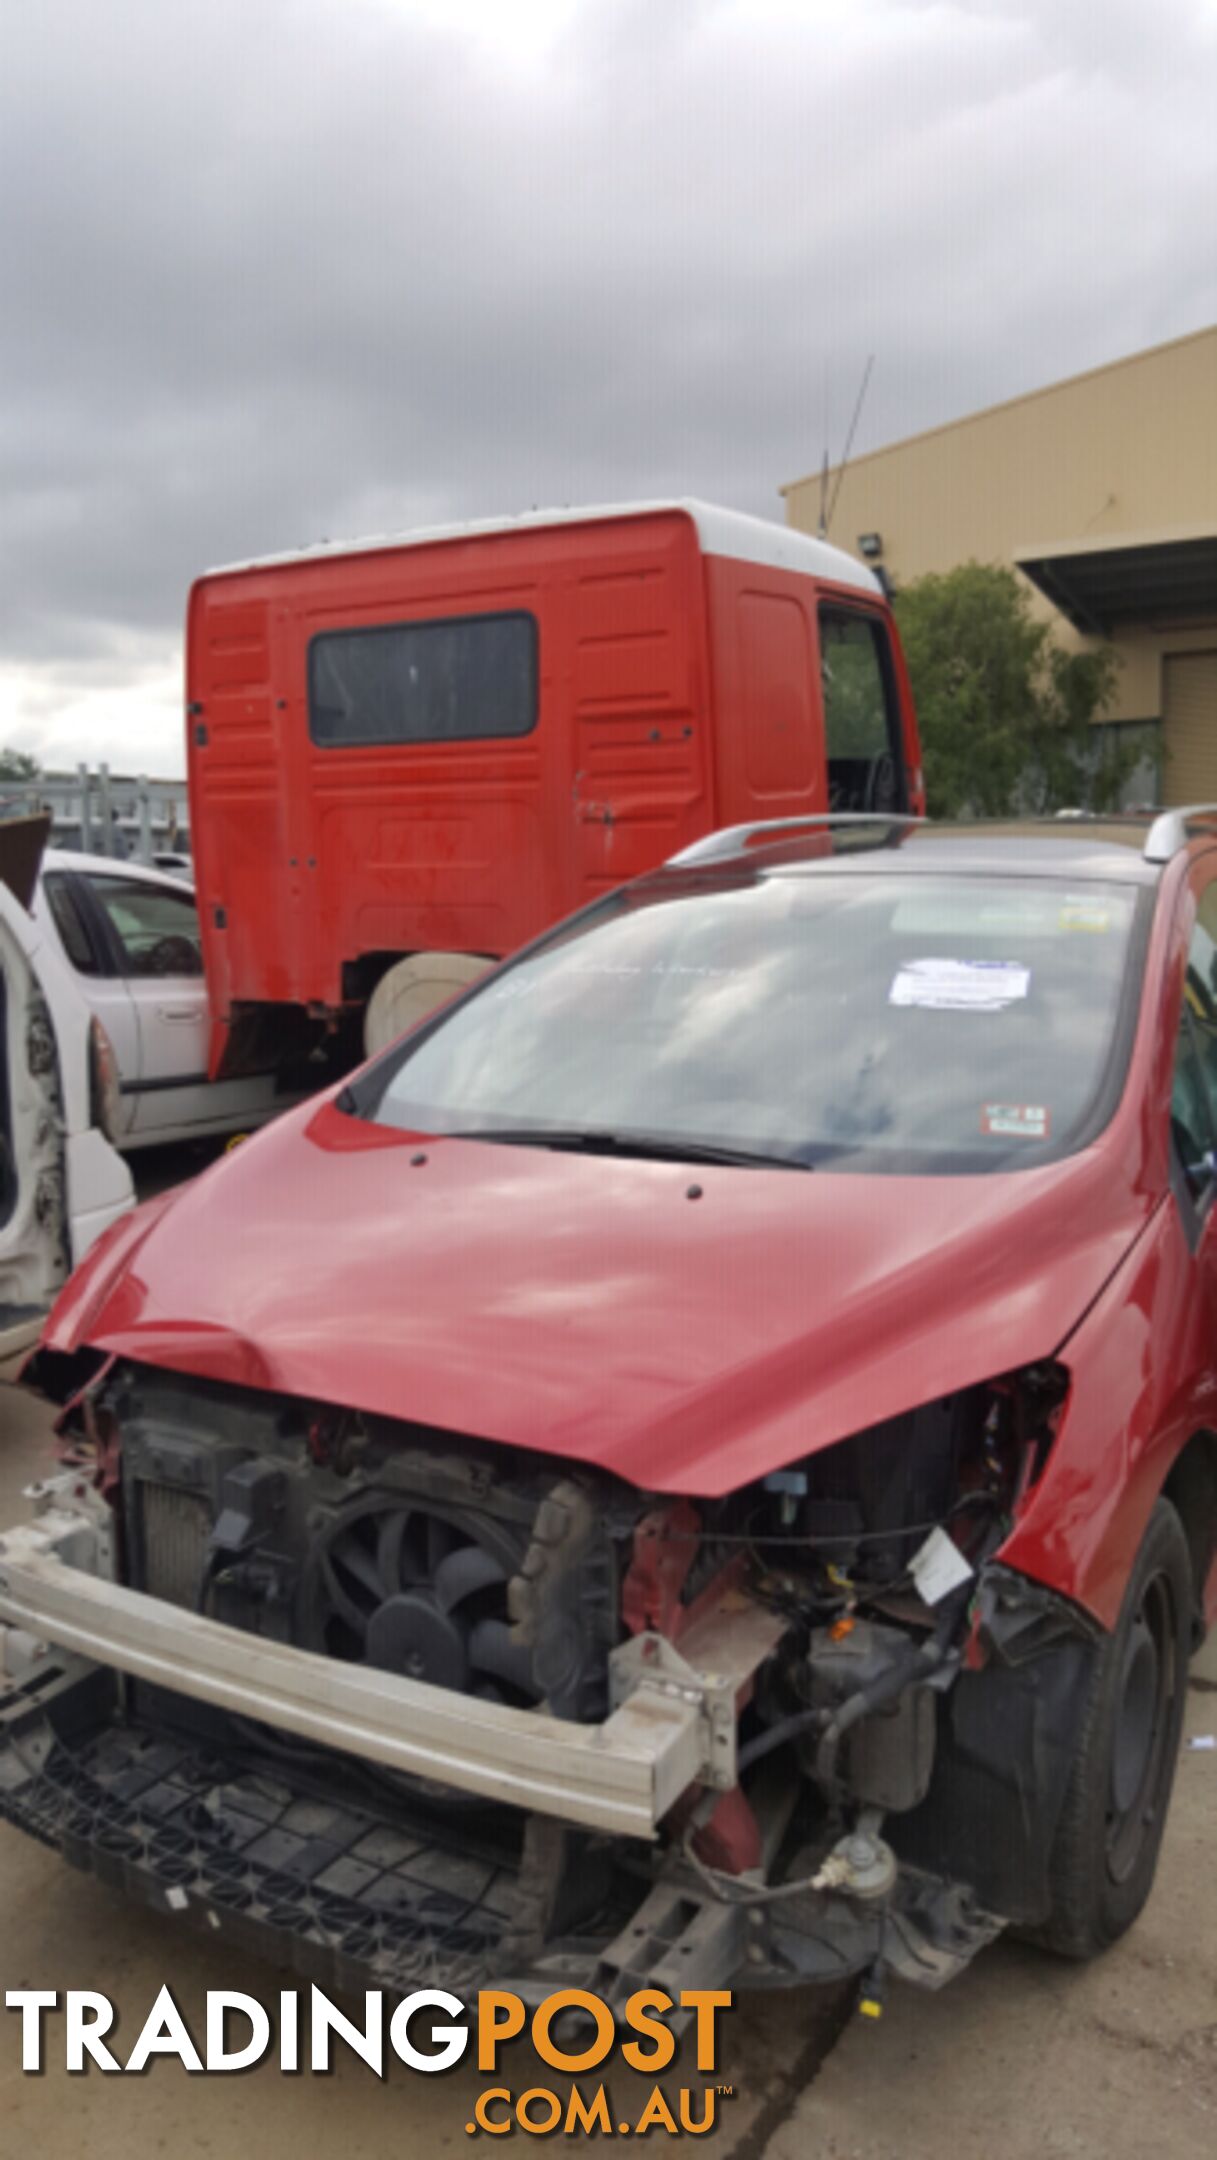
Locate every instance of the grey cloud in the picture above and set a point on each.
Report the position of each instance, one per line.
(282, 271)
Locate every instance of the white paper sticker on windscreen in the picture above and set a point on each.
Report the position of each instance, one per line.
(960, 985)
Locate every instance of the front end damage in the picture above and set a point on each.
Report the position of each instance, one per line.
(397, 1706)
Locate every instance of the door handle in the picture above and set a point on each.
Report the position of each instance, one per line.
(177, 1012)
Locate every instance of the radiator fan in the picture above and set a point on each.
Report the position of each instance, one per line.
(420, 1592)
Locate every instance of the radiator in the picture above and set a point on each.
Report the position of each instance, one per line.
(175, 1527)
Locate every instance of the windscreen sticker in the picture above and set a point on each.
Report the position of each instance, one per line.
(1085, 915)
(1016, 1121)
(960, 985)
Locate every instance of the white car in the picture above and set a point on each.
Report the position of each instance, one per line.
(61, 1181)
(131, 936)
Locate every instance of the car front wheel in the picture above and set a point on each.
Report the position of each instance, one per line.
(1107, 1841)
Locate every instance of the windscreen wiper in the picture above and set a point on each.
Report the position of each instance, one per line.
(646, 1146)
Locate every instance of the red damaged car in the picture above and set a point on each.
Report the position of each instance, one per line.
(696, 1465)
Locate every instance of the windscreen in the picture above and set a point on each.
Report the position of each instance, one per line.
(857, 1020)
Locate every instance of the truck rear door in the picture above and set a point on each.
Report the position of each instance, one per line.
(633, 625)
(246, 801)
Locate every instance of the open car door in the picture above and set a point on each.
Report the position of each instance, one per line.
(61, 1181)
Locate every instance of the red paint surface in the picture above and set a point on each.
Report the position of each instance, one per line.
(584, 1306)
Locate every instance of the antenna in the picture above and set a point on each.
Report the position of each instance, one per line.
(822, 527)
(849, 444)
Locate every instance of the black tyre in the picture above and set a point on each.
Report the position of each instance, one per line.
(1107, 1841)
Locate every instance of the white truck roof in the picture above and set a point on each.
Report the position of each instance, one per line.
(731, 533)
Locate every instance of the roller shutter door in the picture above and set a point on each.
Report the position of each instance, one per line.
(1189, 728)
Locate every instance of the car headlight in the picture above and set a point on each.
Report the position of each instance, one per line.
(105, 1094)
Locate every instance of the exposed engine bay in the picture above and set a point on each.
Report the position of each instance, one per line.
(867, 1678)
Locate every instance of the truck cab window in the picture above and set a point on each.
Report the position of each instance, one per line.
(463, 679)
(861, 720)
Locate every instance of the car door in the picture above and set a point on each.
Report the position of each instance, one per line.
(33, 1240)
(61, 1182)
(63, 908)
(153, 931)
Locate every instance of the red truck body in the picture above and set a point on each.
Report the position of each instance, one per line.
(442, 744)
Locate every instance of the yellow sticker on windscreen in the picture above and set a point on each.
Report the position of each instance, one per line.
(1085, 914)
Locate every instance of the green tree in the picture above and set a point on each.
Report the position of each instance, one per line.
(18, 765)
(1006, 713)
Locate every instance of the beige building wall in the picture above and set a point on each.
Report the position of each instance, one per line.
(1126, 450)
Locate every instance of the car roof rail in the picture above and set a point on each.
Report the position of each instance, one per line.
(1170, 832)
(732, 840)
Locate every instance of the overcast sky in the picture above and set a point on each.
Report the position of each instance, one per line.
(274, 270)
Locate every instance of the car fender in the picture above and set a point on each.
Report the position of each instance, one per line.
(1142, 1382)
(67, 1327)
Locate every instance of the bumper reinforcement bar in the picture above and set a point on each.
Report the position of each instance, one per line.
(620, 1776)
